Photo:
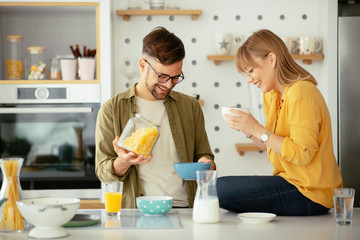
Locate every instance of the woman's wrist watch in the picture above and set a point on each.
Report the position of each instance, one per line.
(265, 137)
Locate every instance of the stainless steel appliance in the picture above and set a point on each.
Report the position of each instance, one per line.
(348, 102)
(53, 128)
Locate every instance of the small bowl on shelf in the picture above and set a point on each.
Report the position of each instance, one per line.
(154, 205)
(48, 215)
(187, 170)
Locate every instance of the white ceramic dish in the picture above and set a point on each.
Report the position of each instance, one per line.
(48, 215)
(226, 110)
(256, 217)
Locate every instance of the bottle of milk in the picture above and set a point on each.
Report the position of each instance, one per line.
(206, 206)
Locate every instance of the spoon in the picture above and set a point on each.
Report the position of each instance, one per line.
(2, 201)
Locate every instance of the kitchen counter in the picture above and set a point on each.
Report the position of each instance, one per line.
(230, 227)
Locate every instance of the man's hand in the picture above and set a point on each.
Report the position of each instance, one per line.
(125, 159)
(207, 160)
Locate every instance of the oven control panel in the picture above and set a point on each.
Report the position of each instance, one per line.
(41, 93)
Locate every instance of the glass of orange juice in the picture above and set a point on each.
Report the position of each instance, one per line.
(113, 196)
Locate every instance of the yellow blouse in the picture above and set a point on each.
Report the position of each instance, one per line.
(307, 159)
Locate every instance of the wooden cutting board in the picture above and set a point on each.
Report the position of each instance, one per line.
(92, 204)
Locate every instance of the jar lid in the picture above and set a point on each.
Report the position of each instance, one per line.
(14, 38)
(35, 49)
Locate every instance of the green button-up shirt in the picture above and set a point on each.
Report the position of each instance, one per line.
(187, 126)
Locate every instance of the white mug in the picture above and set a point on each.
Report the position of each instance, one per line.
(222, 43)
(291, 44)
(68, 68)
(309, 45)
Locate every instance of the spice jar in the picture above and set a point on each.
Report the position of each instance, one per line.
(10, 216)
(14, 57)
(36, 67)
(55, 73)
(139, 136)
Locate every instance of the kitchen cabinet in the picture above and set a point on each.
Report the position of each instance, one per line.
(54, 25)
(306, 59)
(127, 13)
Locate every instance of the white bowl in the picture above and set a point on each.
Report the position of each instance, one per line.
(48, 215)
(226, 110)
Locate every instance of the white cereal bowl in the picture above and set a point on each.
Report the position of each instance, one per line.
(154, 205)
(226, 110)
(48, 215)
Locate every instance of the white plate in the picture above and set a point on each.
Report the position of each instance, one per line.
(256, 217)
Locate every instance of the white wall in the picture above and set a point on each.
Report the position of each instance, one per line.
(222, 85)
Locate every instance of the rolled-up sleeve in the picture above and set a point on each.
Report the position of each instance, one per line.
(304, 119)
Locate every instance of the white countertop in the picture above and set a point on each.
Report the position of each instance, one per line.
(230, 227)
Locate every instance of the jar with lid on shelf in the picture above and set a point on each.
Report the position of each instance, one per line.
(14, 57)
(139, 136)
(36, 64)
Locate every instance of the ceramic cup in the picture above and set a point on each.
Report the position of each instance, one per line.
(157, 4)
(309, 45)
(68, 68)
(291, 44)
(222, 43)
(86, 68)
(134, 4)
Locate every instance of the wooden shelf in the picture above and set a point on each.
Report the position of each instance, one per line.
(306, 59)
(91, 204)
(46, 81)
(218, 58)
(141, 12)
(241, 148)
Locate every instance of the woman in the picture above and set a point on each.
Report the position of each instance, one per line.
(296, 135)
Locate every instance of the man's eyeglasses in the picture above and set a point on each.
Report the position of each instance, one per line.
(163, 78)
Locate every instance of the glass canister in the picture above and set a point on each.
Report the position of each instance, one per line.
(36, 66)
(10, 216)
(14, 57)
(55, 72)
(139, 136)
(206, 204)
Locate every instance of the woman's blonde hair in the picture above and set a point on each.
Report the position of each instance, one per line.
(260, 44)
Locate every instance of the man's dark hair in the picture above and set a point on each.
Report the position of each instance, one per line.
(164, 46)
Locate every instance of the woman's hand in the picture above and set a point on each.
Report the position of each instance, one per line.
(244, 122)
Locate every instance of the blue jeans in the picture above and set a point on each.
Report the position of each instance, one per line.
(271, 194)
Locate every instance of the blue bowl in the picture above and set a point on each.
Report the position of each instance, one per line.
(187, 170)
(154, 205)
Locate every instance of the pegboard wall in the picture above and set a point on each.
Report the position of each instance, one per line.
(221, 85)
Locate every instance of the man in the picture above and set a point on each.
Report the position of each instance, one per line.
(182, 129)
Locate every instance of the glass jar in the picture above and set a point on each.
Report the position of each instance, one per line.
(36, 66)
(55, 73)
(11, 219)
(14, 57)
(139, 136)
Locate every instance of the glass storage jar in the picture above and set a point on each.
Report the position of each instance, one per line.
(14, 57)
(11, 219)
(55, 73)
(139, 136)
(36, 66)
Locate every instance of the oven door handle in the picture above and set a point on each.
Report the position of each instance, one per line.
(46, 110)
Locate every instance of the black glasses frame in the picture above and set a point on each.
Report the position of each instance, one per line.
(163, 78)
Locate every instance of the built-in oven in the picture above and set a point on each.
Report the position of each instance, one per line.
(53, 128)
